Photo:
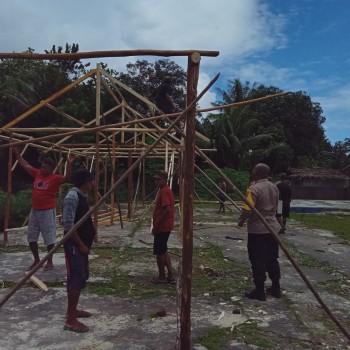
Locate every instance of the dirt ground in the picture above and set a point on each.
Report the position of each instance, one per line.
(33, 319)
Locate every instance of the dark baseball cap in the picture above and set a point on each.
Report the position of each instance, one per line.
(161, 175)
(81, 176)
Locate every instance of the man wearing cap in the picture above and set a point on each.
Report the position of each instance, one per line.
(42, 217)
(77, 247)
(163, 223)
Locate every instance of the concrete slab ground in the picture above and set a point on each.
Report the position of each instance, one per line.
(32, 319)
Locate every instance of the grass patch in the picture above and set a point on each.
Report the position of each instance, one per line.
(337, 223)
(118, 282)
(218, 276)
(247, 333)
(307, 260)
(14, 248)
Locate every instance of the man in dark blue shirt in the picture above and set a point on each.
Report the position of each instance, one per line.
(163, 97)
(285, 195)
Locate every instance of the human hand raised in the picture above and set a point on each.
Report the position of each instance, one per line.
(71, 158)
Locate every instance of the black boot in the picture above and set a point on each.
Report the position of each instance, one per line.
(256, 294)
(274, 290)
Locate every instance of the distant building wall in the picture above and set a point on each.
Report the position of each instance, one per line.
(309, 188)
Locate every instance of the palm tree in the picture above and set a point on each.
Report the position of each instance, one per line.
(237, 131)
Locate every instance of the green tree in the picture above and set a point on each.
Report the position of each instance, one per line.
(301, 120)
(144, 77)
(340, 156)
(238, 132)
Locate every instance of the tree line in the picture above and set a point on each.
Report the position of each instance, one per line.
(282, 132)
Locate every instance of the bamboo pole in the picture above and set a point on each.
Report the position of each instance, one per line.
(213, 194)
(130, 189)
(97, 144)
(8, 197)
(112, 177)
(108, 53)
(92, 209)
(131, 122)
(51, 98)
(218, 188)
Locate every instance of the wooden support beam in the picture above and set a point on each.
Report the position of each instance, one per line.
(187, 213)
(100, 54)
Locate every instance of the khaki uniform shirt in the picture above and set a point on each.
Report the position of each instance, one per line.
(263, 195)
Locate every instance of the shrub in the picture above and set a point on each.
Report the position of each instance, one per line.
(21, 203)
(239, 178)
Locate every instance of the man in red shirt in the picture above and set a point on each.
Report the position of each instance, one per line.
(42, 217)
(163, 223)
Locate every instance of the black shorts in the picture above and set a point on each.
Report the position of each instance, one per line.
(160, 243)
(221, 197)
(77, 265)
(285, 210)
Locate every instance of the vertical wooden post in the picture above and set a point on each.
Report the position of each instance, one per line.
(143, 179)
(187, 213)
(105, 175)
(129, 185)
(113, 178)
(59, 202)
(97, 163)
(9, 192)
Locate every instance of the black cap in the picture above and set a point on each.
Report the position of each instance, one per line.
(161, 175)
(48, 161)
(81, 176)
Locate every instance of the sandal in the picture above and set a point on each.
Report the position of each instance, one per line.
(76, 326)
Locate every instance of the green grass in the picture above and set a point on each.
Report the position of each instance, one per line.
(221, 278)
(247, 333)
(334, 222)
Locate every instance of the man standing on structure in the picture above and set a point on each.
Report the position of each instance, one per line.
(163, 97)
(42, 217)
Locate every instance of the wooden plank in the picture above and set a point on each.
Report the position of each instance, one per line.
(39, 283)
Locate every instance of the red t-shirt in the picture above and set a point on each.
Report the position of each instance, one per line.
(165, 197)
(44, 190)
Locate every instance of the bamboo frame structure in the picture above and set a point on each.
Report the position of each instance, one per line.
(116, 134)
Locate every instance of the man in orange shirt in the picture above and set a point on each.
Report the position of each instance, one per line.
(42, 217)
(163, 223)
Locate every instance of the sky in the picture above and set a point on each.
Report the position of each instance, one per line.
(299, 45)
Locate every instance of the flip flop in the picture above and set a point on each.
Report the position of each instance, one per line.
(157, 280)
(77, 327)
